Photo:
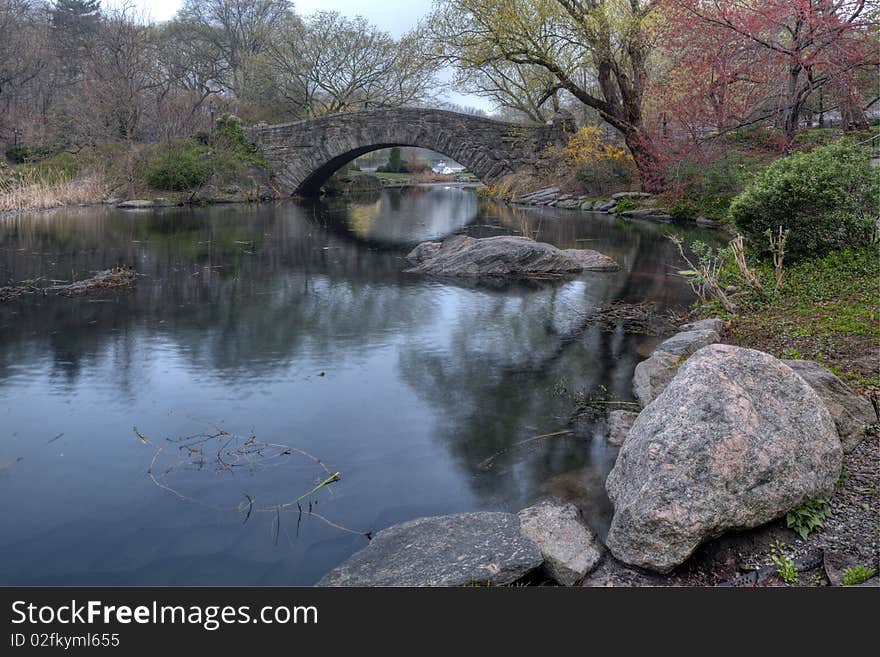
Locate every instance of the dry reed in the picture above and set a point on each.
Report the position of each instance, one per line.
(40, 190)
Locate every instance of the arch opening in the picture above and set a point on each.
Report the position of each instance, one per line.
(311, 186)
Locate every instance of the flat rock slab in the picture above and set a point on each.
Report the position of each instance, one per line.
(736, 440)
(483, 548)
(461, 255)
(711, 324)
(851, 413)
(569, 547)
(620, 195)
(136, 204)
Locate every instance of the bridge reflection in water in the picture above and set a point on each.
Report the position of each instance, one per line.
(240, 311)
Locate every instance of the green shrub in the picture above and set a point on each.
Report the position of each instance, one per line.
(827, 199)
(53, 170)
(701, 205)
(178, 166)
(21, 154)
(228, 140)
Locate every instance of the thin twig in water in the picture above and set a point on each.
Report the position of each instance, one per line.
(486, 463)
(233, 452)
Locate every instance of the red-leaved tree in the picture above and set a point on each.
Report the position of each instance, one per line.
(735, 62)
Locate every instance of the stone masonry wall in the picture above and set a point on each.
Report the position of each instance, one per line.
(304, 154)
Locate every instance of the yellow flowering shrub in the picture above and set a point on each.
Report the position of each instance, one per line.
(586, 144)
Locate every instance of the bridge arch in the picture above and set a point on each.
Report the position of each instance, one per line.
(304, 154)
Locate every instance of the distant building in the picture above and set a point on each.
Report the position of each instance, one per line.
(447, 169)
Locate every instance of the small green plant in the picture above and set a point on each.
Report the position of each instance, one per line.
(809, 516)
(857, 575)
(784, 565)
(624, 205)
(703, 274)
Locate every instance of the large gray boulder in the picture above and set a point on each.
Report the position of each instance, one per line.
(619, 425)
(652, 375)
(851, 413)
(422, 252)
(485, 548)
(461, 255)
(736, 440)
(569, 547)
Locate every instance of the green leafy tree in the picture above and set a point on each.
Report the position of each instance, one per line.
(596, 50)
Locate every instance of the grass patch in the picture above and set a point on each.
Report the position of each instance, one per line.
(828, 310)
(383, 175)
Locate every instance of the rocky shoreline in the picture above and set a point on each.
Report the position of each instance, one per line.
(727, 442)
(629, 205)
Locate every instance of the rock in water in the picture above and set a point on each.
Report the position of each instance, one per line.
(461, 255)
(135, 204)
(569, 547)
(466, 548)
(424, 251)
(736, 440)
(651, 376)
(851, 413)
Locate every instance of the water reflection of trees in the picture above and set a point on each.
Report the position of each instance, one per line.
(404, 216)
(492, 385)
(240, 289)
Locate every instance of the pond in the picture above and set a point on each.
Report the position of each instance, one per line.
(179, 433)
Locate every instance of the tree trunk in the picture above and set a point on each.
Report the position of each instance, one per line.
(852, 116)
(646, 158)
(792, 110)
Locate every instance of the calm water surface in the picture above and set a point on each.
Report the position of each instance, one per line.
(294, 327)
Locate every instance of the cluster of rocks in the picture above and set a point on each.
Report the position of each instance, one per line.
(728, 439)
(476, 549)
(645, 205)
(460, 255)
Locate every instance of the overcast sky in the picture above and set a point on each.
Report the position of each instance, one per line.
(391, 15)
(394, 16)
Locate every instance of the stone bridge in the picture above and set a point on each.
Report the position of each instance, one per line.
(304, 154)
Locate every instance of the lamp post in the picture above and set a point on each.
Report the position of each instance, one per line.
(15, 134)
(212, 110)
